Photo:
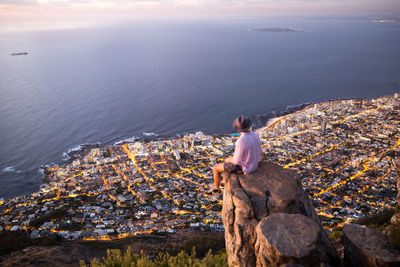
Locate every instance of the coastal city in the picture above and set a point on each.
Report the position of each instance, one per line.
(342, 150)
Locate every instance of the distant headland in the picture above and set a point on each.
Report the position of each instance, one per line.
(275, 29)
(387, 20)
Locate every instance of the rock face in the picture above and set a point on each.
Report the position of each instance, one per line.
(364, 246)
(250, 198)
(397, 166)
(395, 220)
(283, 238)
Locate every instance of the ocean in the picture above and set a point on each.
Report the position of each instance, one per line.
(131, 80)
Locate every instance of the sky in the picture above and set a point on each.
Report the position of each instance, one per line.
(18, 12)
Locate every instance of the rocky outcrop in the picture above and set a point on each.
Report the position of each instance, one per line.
(283, 238)
(248, 199)
(397, 166)
(395, 220)
(364, 246)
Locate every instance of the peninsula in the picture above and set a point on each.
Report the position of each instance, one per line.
(342, 150)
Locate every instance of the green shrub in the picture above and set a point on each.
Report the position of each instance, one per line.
(394, 235)
(202, 243)
(52, 216)
(336, 236)
(397, 209)
(13, 240)
(16, 240)
(114, 258)
(377, 220)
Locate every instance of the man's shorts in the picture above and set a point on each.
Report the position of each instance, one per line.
(229, 167)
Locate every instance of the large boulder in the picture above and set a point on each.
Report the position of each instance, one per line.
(364, 246)
(284, 238)
(250, 198)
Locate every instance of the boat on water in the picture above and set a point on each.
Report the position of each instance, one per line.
(19, 53)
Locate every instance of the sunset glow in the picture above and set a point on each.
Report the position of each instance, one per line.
(37, 14)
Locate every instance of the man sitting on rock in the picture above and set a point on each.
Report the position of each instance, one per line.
(246, 156)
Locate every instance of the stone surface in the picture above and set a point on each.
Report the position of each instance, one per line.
(364, 246)
(395, 219)
(250, 198)
(397, 166)
(289, 238)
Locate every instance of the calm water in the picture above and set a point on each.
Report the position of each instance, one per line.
(110, 83)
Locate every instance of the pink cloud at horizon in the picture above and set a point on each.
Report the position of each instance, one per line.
(14, 13)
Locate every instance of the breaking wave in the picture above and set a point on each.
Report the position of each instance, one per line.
(8, 169)
(77, 148)
(149, 134)
(127, 140)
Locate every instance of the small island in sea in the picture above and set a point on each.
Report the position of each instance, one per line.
(387, 20)
(275, 29)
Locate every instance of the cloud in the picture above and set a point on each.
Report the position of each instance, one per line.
(204, 7)
(169, 2)
(19, 2)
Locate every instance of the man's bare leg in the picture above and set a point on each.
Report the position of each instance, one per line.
(228, 160)
(218, 170)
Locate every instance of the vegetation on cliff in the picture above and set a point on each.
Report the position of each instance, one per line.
(115, 258)
(17, 240)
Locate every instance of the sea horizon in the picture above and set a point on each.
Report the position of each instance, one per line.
(89, 85)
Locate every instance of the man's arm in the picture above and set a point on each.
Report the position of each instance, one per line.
(236, 159)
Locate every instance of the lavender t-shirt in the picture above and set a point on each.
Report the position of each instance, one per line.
(247, 152)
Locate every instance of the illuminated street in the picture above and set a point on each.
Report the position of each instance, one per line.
(343, 151)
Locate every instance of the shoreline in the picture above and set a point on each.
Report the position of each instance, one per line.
(264, 118)
(341, 150)
(78, 150)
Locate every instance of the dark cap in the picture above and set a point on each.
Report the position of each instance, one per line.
(242, 124)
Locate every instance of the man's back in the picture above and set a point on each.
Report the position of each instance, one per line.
(247, 152)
